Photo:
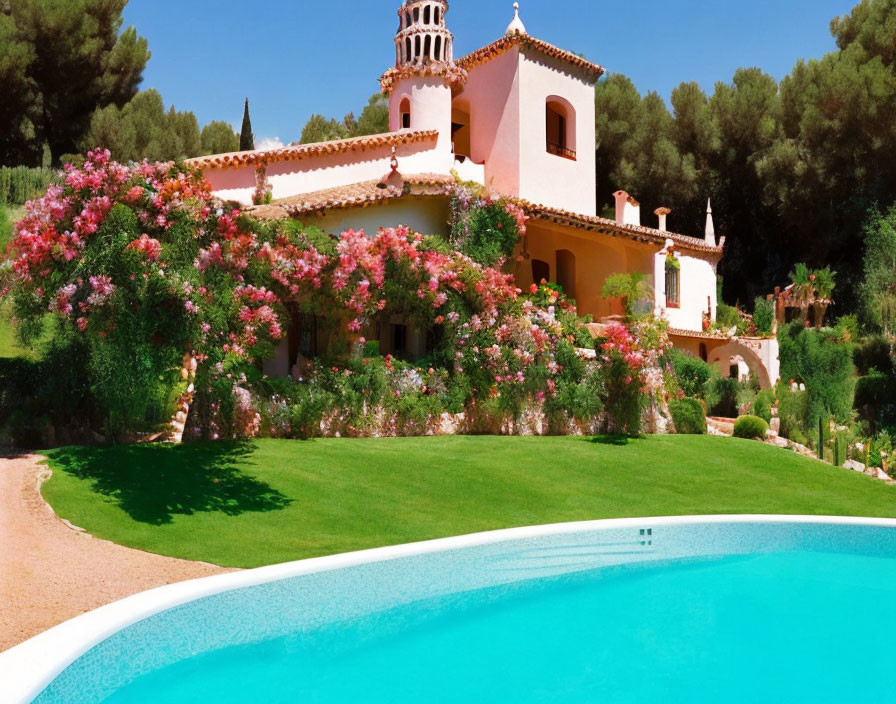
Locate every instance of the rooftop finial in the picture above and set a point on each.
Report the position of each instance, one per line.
(517, 26)
(710, 234)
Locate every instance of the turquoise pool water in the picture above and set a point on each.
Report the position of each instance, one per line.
(784, 626)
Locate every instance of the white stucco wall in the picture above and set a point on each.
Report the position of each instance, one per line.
(430, 102)
(697, 285)
(296, 176)
(428, 216)
(491, 97)
(545, 178)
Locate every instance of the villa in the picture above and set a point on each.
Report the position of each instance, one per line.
(516, 117)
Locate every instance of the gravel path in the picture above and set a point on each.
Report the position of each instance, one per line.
(50, 572)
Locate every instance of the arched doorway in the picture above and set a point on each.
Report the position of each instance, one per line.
(733, 354)
(566, 271)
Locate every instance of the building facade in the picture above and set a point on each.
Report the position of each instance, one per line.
(517, 117)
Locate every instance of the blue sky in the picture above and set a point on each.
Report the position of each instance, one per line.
(294, 57)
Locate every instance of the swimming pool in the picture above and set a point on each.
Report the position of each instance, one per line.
(682, 609)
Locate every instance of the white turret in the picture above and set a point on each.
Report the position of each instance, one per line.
(422, 36)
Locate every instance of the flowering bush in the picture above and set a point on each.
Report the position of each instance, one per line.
(485, 228)
(139, 266)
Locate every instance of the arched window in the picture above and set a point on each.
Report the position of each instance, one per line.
(416, 15)
(673, 293)
(405, 111)
(427, 14)
(438, 15)
(438, 52)
(407, 18)
(427, 47)
(407, 50)
(560, 122)
(417, 48)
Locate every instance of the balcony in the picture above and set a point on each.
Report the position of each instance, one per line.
(561, 151)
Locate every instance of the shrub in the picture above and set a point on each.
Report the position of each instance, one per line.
(793, 410)
(632, 289)
(485, 229)
(46, 402)
(727, 317)
(688, 416)
(5, 228)
(750, 428)
(762, 405)
(882, 443)
(764, 316)
(691, 373)
(721, 397)
(19, 184)
(822, 360)
(139, 266)
(848, 327)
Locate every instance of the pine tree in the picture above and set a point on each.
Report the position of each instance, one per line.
(247, 139)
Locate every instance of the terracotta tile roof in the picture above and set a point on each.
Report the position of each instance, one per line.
(698, 334)
(611, 227)
(367, 193)
(352, 196)
(308, 151)
(524, 41)
(455, 75)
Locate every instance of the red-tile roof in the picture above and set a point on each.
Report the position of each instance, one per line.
(611, 227)
(353, 195)
(455, 75)
(525, 42)
(367, 194)
(698, 334)
(308, 151)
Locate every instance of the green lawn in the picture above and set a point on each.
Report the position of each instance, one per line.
(8, 344)
(275, 501)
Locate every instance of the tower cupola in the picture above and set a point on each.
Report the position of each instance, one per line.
(423, 38)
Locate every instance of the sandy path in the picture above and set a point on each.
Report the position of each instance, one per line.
(50, 573)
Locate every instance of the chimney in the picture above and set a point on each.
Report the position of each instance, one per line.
(710, 235)
(661, 213)
(628, 210)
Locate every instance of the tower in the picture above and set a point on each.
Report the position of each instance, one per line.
(422, 36)
(425, 78)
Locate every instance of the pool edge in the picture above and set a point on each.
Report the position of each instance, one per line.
(28, 668)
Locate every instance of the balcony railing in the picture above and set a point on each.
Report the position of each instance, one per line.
(564, 152)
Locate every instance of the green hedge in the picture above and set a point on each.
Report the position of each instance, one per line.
(750, 428)
(692, 373)
(689, 416)
(762, 405)
(5, 229)
(19, 184)
(823, 361)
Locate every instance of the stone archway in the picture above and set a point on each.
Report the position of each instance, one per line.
(721, 357)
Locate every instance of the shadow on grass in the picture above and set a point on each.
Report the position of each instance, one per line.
(153, 483)
(615, 440)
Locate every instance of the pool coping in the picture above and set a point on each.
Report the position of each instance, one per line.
(26, 669)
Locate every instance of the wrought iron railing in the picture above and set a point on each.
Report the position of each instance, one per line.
(558, 150)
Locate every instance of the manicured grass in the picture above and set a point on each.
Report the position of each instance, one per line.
(8, 345)
(275, 501)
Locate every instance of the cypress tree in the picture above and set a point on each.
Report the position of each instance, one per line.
(247, 139)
